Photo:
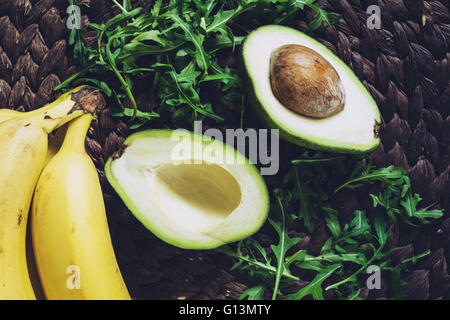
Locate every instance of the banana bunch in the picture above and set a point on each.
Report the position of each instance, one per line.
(70, 237)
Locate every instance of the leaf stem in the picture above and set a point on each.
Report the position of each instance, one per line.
(121, 79)
(120, 6)
(280, 265)
(232, 254)
(349, 278)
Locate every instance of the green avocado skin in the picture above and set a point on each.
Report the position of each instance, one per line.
(261, 114)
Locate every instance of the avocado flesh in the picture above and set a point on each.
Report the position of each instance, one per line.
(199, 205)
(353, 130)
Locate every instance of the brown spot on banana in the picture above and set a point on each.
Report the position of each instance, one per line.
(19, 218)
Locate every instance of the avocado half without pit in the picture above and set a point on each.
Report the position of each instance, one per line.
(300, 87)
(189, 190)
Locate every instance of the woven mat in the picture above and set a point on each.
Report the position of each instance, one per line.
(405, 65)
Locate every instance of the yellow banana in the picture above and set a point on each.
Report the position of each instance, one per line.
(23, 148)
(6, 114)
(54, 144)
(71, 240)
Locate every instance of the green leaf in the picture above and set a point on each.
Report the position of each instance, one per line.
(246, 262)
(153, 35)
(196, 39)
(383, 175)
(314, 288)
(114, 21)
(220, 19)
(282, 247)
(380, 229)
(306, 212)
(321, 16)
(359, 224)
(333, 225)
(422, 214)
(410, 203)
(254, 293)
(140, 114)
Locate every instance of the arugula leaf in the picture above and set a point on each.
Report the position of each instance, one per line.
(302, 194)
(320, 17)
(381, 234)
(383, 174)
(254, 293)
(283, 246)
(424, 213)
(196, 39)
(250, 263)
(333, 225)
(380, 229)
(410, 203)
(396, 198)
(314, 288)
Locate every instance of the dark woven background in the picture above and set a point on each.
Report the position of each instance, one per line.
(405, 65)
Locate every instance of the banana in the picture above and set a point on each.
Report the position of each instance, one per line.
(6, 114)
(23, 149)
(72, 245)
(54, 143)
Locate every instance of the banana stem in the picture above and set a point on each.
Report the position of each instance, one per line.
(6, 114)
(59, 115)
(52, 104)
(70, 106)
(76, 133)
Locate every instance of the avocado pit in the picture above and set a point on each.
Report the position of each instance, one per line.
(305, 82)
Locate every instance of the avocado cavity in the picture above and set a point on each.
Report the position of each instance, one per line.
(206, 193)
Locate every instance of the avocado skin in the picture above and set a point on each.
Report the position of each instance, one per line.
(263, 116)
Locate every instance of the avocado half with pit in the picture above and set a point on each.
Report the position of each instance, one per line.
(189, 190)
(300, 87)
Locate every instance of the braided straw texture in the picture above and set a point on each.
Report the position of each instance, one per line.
(405, 65)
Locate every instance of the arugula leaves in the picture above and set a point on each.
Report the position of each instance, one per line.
(397, 197)
(351, 247)
(283, 246)
(314, 288)
(176, 46)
